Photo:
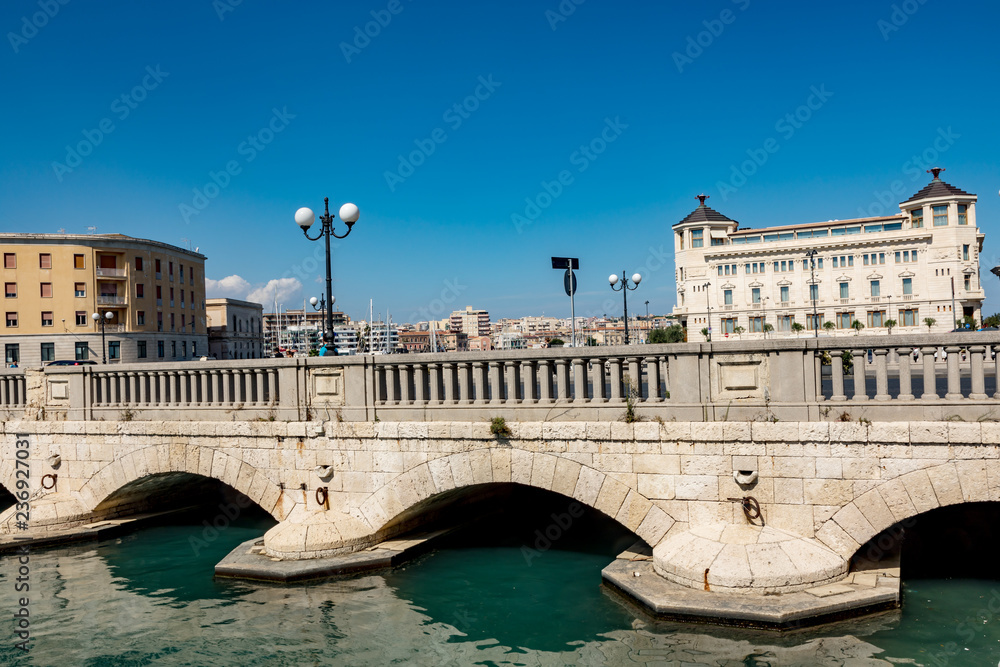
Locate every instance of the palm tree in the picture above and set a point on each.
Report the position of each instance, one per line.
(797, 328)
(857, 325)
(704, 332)
(829, 326)
(889, 324)
(738, 330)
(767, 329)
(929, 321)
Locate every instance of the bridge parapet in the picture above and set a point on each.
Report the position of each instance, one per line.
(878, 378)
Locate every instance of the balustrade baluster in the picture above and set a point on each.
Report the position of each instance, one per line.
(404, 383)
(930, 373)
(513, 382)
(391, 397)
(579, 380)
(635, 377)
(419, 384)
(996, 369)
(479, 382)
(881, 375)
(653, 379)
(904, 354)
(528, 378)
(182, 378)
(615, 374)
(273, 390)
(496, 387)
(464, 383)
(545, 381)
(597, 380)
(434, 370)
(860, 372)
(448, 371)
(562, 379)
(954, 378)
(976, 354)
(227, 387)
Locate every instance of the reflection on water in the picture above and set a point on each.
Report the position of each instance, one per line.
(149, 599)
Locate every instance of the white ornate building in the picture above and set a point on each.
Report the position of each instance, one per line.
(922, 263)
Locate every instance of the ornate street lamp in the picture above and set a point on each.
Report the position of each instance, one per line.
(320, 304)
(812, 268)
(708, 306)
(304, 218)
(97, 318)
(636, 279)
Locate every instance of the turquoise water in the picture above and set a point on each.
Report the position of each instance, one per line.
(148, 598)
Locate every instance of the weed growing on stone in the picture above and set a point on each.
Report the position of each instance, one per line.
(499, 428)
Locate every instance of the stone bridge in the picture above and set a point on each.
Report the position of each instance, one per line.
(396, 441)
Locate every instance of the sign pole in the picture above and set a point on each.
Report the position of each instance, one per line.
(572, 306)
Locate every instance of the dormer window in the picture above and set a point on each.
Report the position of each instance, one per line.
(963, 218)
(917, 218)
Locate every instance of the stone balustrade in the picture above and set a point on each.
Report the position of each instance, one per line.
(880, 378)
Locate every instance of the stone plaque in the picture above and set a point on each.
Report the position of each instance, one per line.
(328, 386)
(736, 376)
(739, 376)
(60, 390)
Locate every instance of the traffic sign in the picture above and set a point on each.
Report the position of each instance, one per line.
(565, 263)
(569, 282)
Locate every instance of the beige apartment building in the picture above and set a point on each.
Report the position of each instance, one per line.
(54, 283)
(235, 329)
(922, 263)
(470, 322)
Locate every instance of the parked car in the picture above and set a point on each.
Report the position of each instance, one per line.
(71, 362)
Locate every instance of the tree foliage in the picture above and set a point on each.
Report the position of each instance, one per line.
(672, 334)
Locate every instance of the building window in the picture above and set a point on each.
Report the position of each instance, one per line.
(159, 295)
(184, 347)
(80, 289)
(173, 349)
(157, 270)
(697, 238)
(720, 270)
(10, 290)
(785, 322)
(182, 298)
(814, 292)
(680, 240)
(46, 318)
(940, 216)
(876, 318)
(9, 260)
(756, 324)
(844, 320)
(876, 288)
(191, 274)
(44, 260)
(194, 347)
(140, 290)
(11, 320)
(909, 317)
(965, 252)
(917, 218)
(845, 290)
(728, 325)
(81, 351)
(727, 295)
(172, 328)
(48, 351)
(159, 349)
(159, 323)
(13, 353)
(963, 218)
(755, 295)
(138, 265)
(814, 321)
(46, 290)
(907, 286)
(114, 349)
(140, 317)
(79, 262)
(170, 269)
(140, 349)
(784, 294)
(171, 297)
(968, 283)
(81, 318)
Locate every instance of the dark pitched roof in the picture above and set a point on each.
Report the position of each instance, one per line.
(704, 214)
(937, 188)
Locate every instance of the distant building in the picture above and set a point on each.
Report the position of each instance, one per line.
(235, 329)
(54, 283)
(308, 326)
(480, 343)
(471, 322)
(415, 341)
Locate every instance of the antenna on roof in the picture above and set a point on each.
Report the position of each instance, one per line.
(92, 230)
(187, 244)
(702, 198)
(936, 171)
(61, 230)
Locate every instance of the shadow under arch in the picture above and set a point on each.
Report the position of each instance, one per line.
(7, 498)
(407, 500)
(171, 466)
(899, 499)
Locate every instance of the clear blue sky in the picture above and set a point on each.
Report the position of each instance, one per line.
(445, 236)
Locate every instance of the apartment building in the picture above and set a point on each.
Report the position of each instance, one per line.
(235, 329)
(920, 264)
(470, 322)
(150, 297)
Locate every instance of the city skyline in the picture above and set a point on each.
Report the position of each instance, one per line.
(518, 133)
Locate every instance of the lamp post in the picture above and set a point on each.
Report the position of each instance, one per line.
(812, 270)
(320, 304)
(636, 279)
(97, 318)
(304, 218)
(647, 310)
(763, 305)
(708, 307)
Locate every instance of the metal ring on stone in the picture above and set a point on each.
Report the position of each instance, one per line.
(322, 497)
(52, 477)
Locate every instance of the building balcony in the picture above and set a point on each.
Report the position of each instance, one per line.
(110, 273)
(111, 300)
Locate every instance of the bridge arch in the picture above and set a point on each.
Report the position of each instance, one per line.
(206, 462)
(406, 495)
(906, 496)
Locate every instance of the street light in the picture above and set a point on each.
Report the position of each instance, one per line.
(304, 218)
(320, 304)
(708, 306)
(97, 318)
(812, 269)
(636, 279)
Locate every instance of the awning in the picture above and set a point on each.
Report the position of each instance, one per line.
(719, 234)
